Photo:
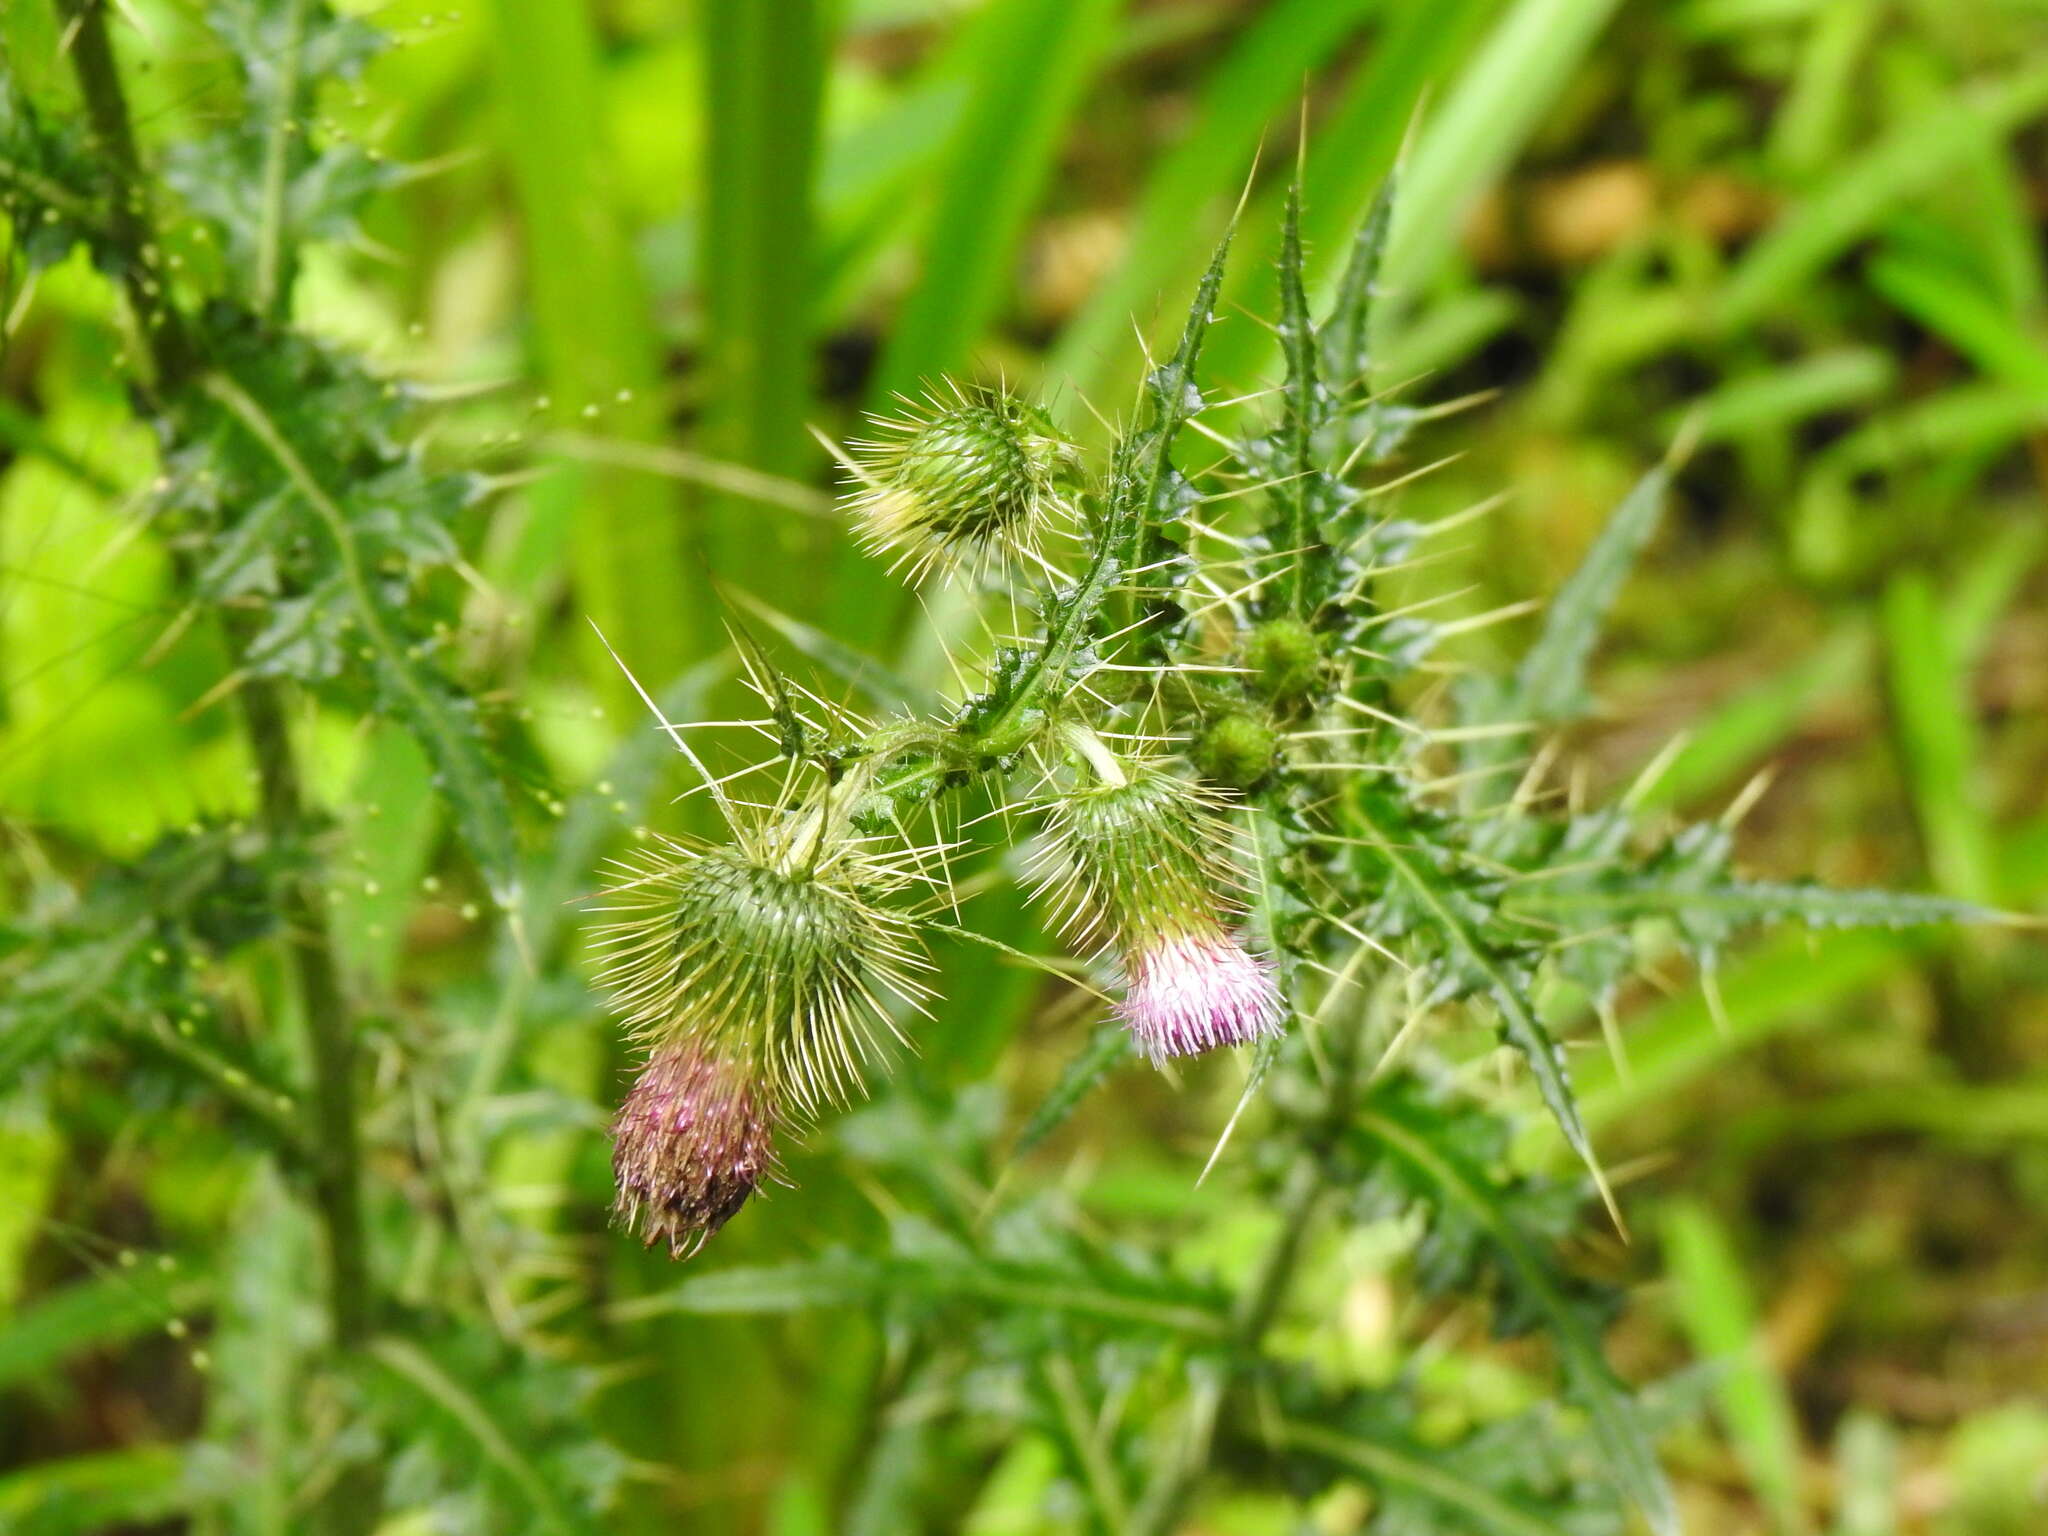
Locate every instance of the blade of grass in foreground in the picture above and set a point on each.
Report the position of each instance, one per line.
(763, 74)
(1025, 71)
(627, 534)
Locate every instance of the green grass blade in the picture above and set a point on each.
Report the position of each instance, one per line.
(93, 1494)
(1246, 92)
(629, 537)
(1034, 59)
(1713, 1303)
(1935, 728)
(764, 78)
(1907, 159)
(1970, 320)
(1349, 158)
(1747, 728)
(99, 1313)
(1489, 115)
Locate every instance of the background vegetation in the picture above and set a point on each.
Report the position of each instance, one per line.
(689, 233)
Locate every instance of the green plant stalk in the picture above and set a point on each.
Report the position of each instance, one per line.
(106, 108)
(353, 1504)
(1259, 1303)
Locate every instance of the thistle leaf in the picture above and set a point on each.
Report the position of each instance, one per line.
(1631, 1459)
(1465, 942)
(928, 1280)
(1104, 1052)
(1414, 1469)
(1551, 682)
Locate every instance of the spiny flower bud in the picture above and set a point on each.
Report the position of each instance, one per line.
(1144, 867)
(1285, 659)
(691, 1143)
(979, 472)
(754, 976)
(1236, 750)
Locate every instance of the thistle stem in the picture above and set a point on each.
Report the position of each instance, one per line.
(1259, 1303)
(106, 108)
(352, 1506)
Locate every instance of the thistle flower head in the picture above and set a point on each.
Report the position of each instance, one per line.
(967, 474)
(755, 976)
(1194, 993)
(1143, 867)
(782, 964)
(691, 1143)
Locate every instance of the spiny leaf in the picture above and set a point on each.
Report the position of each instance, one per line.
(1345, 336)
(1411, 1467)
(1750, 901)
(1149, 498)
(1108, 1047)
(1630, 1456)
(444, 719)
(848, 1280)
(430, 1377)
(1288, 457)
(792, 735)
(1463, 937)
(1551, 682)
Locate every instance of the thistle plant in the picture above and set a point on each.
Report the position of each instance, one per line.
(1253, 793)
(1274, 819)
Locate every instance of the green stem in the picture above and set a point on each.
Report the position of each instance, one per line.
(337, 1177)
(106, 108)
(353, 1504)
(1259, 1303)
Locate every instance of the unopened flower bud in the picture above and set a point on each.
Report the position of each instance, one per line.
(978, 472)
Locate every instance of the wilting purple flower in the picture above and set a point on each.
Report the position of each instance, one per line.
(692, 1141)
(1193, 992)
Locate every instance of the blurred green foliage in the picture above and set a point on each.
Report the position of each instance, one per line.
(634, 250)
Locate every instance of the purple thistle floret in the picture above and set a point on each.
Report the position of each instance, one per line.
(1190, 993)
(692, 1142)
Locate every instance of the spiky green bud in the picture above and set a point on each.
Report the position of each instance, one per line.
(1285, 659)
(1236, 750)
(979, 472)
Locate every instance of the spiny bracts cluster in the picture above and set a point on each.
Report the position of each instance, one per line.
(1250, 782)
